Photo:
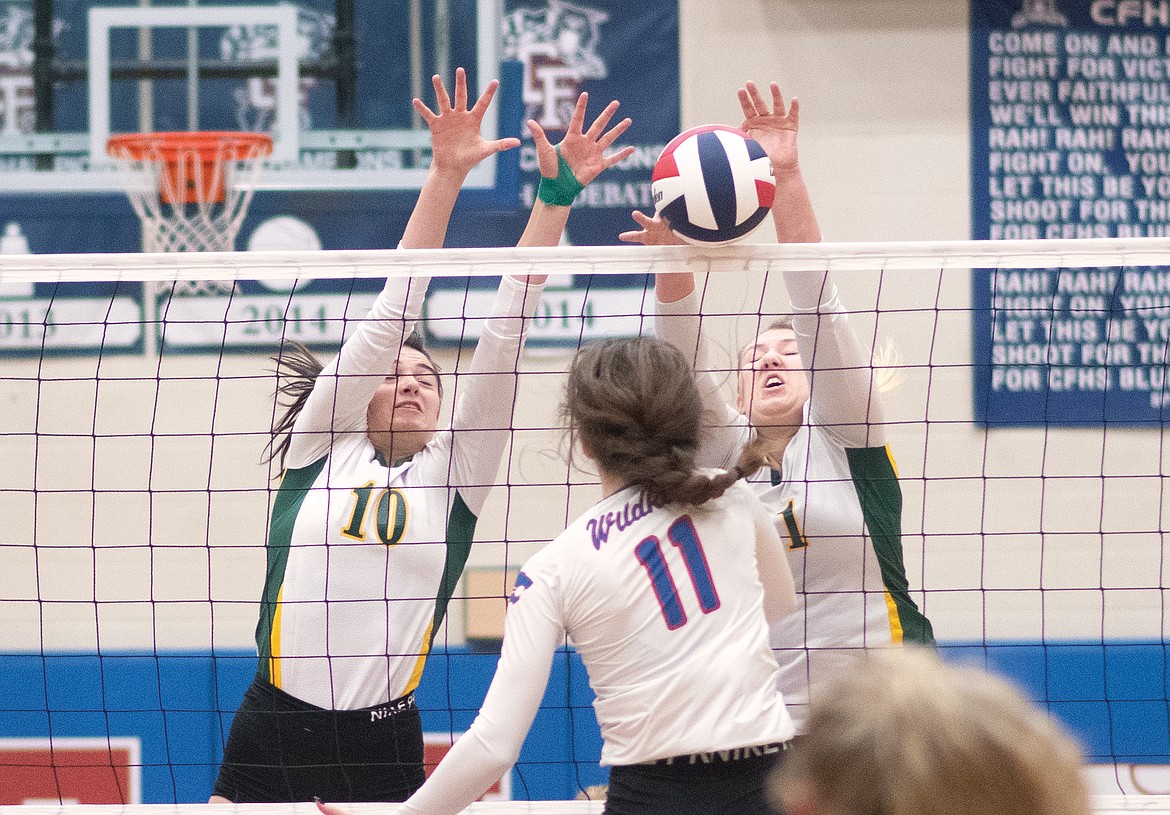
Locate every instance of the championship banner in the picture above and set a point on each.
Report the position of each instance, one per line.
(85, 318)
(1070, 138)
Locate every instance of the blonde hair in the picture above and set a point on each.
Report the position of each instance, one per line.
(886, 360)
(906, 734)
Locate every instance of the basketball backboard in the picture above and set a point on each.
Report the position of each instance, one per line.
(345, 177)
(155, 66)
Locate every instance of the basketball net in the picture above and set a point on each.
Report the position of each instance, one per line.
(191, 191)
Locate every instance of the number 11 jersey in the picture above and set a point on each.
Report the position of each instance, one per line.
(666, 606)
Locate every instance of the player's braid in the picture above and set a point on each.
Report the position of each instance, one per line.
(297, 369)
(637, 410)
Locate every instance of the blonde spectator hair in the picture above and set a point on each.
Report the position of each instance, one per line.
(906, 734)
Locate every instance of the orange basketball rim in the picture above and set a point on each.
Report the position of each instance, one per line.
(192, 164)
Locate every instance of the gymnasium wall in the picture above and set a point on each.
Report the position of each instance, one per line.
(885, 151)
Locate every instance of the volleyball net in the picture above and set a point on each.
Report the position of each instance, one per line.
(1025, 406)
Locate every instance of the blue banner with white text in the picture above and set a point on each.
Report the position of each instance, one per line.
(1070, 138)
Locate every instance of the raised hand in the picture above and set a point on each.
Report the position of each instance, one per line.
(654, 232)
(771, 126)
(583, 150)
(456, 143)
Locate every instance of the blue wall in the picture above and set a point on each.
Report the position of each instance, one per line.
(180, 705)
(1113, 696)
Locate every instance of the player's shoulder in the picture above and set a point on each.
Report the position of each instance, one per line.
(549, 567)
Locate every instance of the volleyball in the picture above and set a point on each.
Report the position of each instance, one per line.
(713, 184)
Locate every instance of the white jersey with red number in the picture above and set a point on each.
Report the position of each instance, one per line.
(667, 608)
(836, 500)
(363, 558)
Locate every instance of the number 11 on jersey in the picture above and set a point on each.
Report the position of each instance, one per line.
(683, 535)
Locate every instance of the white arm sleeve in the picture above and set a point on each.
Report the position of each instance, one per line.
(771, 561)
(844, 397)
(533, 631)
(342, 392)
(481, 423)
(725, 430)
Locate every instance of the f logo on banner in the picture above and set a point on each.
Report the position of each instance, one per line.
(558, 48)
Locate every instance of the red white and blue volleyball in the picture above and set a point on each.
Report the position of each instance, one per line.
(713, 184)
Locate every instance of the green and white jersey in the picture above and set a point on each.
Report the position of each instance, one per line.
(836, 500)
(363, 558)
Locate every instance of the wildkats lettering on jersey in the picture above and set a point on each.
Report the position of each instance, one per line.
(632, 512)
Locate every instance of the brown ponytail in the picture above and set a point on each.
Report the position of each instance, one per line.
(635, 406)
(297, 369)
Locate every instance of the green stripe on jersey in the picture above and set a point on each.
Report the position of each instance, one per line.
(294, 486)
(460, 530)
(880, 496)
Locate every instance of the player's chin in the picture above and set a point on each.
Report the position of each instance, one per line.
(773, 412)
(414, 424)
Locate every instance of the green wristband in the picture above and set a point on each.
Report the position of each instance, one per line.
(560, 191)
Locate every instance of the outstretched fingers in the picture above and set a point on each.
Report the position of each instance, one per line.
(428, 115)
(443, 101)
(460, 89)
(577, 123)
(655, 231)
(538, 134)
(602, 120)
(546, 154)
(500, 145)
(635, 235)
(617, 130)
(619, 156)
(481, 104)
(794, 112)
(757, 100)
(746, 104)
(777, 98)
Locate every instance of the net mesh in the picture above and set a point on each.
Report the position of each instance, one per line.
(1026, 422)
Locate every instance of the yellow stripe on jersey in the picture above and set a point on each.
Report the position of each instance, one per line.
(876, 484)
(895, 619)
(274, 644)
(893, 464)
(424, 650)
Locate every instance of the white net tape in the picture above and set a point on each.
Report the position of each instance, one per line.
(741, 258)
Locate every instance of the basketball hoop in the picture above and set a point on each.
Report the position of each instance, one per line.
(190, 189)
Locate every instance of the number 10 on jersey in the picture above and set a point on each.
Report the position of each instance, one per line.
(681, 534)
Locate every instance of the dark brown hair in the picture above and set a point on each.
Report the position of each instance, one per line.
(297, 369)
(635, 406)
